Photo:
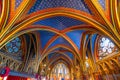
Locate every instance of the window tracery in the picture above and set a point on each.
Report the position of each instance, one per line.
(60, 71)
(14, 45)
(106, 47)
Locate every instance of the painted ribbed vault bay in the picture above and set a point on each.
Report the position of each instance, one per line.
(43, 4)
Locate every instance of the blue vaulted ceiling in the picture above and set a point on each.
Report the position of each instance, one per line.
(45, 37)
(60, 40)
(75, 4)
(75, 36)
(44, 4)
(60, 22)
(70, 55)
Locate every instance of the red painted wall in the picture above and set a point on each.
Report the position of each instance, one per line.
(16, 78)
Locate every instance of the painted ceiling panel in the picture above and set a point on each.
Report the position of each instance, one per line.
(93, 42)
(34, 7)
(102, 2)
(68, 22)
(45, 36)
(75, 36)
(60, 49)
(60, 40)
(59, 22)
(53, 54)
(53, 22)
(17, 3)
(44, 4)
(50, 55)
(70, 55)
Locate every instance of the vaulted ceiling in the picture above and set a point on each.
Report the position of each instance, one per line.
(71, 27)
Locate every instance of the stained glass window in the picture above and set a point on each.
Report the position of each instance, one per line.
(14, 45)
(60, 71)
(106, 47)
